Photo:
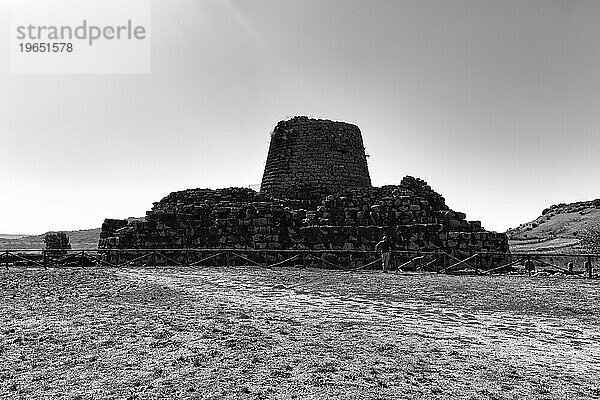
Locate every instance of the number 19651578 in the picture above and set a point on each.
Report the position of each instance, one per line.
(46, 47)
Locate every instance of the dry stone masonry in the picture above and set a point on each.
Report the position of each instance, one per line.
(309, 159)
(316, 194)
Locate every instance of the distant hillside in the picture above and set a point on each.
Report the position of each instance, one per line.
(10, 236)
(82, 239)
(558, 228)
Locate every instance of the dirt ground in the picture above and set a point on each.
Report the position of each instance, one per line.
(252, 333)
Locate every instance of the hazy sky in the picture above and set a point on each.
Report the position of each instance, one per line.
(495, 103)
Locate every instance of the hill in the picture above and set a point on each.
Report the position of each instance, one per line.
(10, 236)
(81, 239)
(558, 229)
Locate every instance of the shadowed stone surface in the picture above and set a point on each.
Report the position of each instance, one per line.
(311, 158)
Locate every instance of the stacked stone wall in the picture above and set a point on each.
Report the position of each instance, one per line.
(356, 220)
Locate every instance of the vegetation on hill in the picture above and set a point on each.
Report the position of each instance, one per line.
(57, 241)
(561, 227)
(81, 239)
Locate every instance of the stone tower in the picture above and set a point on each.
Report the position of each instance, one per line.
(310, 158)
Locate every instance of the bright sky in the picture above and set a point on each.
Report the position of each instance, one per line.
(494, 103)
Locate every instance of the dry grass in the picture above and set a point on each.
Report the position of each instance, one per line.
(549, 245)
(247, 333)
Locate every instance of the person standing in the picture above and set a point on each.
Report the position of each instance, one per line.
(587, 265)
(384, 247)
(529, 266)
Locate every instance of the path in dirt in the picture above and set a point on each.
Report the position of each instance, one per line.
(254, 333)
(543, 327)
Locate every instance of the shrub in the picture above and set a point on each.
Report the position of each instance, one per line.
(58, 242)
(590, 240)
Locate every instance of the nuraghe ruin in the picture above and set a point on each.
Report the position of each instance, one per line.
(316, 194)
